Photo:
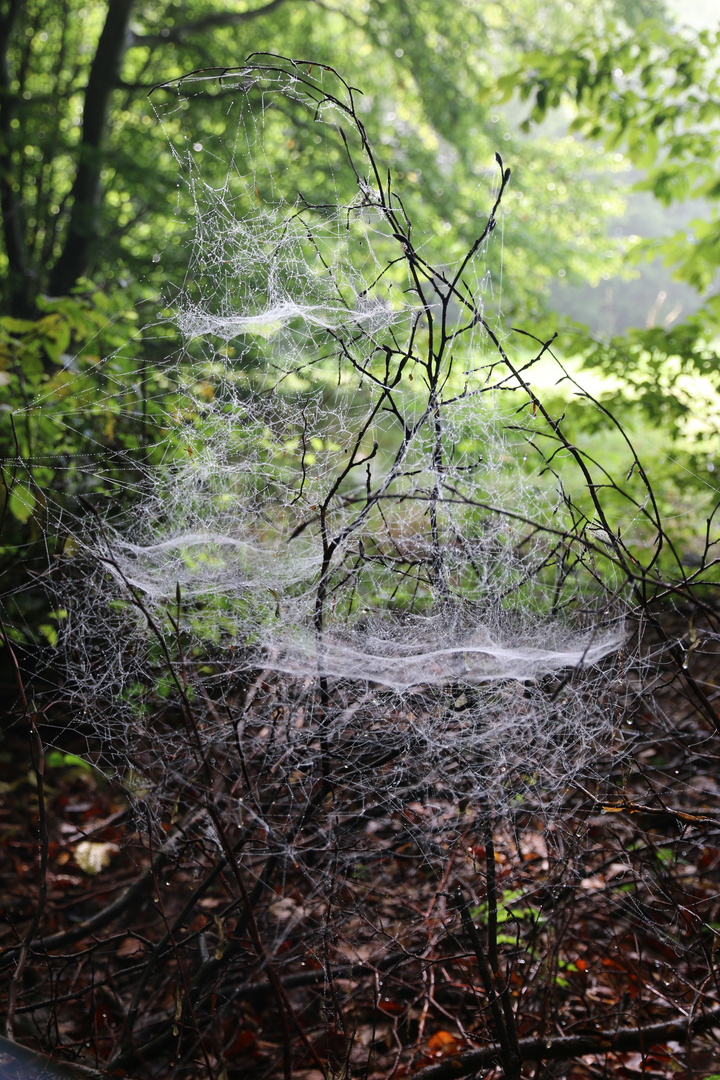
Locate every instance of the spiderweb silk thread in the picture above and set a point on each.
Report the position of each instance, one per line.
(356, 515)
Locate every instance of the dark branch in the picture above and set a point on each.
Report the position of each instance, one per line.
(211, 21)
(570, 1046)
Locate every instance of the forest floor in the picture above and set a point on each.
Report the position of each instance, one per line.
(150, 954)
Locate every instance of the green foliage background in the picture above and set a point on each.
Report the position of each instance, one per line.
(95, 228)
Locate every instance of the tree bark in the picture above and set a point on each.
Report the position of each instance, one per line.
(104, 75)
(10, 200)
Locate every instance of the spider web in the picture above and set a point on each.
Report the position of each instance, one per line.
(362, 516)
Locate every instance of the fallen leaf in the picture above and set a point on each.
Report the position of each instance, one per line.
(92, 857)
(443, 1042)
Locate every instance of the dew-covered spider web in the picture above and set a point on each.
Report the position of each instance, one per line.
(356, 630)
(365, 528)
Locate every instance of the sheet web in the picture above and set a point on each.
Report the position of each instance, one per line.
(367, 533)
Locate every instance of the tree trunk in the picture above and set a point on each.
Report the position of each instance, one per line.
(16, 283)
(104, 75)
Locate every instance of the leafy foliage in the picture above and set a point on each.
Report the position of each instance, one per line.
(83, 412)
(89, 186)
(655, 95)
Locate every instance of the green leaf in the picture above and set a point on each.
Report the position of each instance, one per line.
(57, 341)
(16, 326)
(49, 632)
(56, 759)
(22, 503)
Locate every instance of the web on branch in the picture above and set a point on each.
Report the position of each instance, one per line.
(370, 514)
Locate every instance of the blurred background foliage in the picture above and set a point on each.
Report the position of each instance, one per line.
(585, 100)
(89, 186)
